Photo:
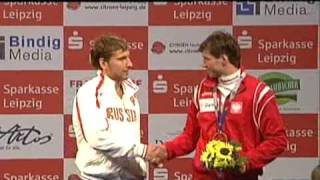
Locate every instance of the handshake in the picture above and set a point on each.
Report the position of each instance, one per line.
(156, 154)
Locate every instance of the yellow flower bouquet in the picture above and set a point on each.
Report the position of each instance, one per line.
(222, 155)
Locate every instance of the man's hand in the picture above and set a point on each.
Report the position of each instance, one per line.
(156, 154)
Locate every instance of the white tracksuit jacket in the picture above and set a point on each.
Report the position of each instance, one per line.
(107, 131)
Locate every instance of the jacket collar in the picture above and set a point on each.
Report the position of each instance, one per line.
(129, 87)
(213, 82)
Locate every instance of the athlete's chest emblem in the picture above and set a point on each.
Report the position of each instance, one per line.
(236, 107)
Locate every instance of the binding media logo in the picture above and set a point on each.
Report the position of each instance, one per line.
(271, 8)
(284, 86)
(248, 8)
(29, 48)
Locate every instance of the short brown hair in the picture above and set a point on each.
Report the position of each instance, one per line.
(104, 46)
(219, 43)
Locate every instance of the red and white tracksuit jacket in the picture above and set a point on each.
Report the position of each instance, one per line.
(107, 131)
(252, 119)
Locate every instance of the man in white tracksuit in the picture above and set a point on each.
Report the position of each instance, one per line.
(106, 118)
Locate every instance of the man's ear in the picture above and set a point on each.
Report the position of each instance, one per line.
(225, 59)
(102, 62)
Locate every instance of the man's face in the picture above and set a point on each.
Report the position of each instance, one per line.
(118, 66)
(212, 64)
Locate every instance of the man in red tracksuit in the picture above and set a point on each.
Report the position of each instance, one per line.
(251, 115)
